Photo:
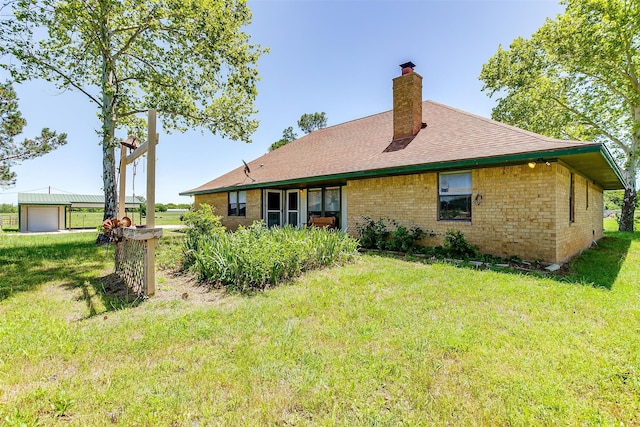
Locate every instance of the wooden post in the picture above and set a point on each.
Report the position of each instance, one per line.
(151, 169)
(150, 267)
(123, 181)
(151, 241)
(151, 201)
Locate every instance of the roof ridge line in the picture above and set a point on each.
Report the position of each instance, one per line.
(512, 127)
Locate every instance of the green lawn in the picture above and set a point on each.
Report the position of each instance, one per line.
(94, 219)
(381, 341)
(9, 222)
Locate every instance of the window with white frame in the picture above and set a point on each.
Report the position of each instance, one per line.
(454, 196)
(237, 203)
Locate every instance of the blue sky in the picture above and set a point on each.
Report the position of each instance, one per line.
(338, 57)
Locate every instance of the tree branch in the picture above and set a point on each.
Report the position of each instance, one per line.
(127, 44)
(609, 86)
(633, 75)
(139, 30)
(67, 79)
(589, 121)
(144, 61)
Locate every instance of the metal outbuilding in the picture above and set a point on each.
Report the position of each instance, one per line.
(52, 212)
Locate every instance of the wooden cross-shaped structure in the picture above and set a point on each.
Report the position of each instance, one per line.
(149, 233)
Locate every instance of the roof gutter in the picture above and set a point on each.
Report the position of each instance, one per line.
(427, 167)
(613, 165)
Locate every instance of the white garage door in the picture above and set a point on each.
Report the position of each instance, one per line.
(42, 218)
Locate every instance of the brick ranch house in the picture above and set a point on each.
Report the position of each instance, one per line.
(511, 192)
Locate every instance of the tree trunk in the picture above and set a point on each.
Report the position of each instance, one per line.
(109, 177)
(627, 216)
(628, 210)
(108, 117)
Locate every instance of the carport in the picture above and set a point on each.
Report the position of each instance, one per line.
(48, 212)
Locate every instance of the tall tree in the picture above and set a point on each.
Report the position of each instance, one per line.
(11, 125)
(288, 135)
(577, 77)
(314, 121)
(190, 60)
(307, 123)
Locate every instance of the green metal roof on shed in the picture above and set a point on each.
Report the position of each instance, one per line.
(69, 199)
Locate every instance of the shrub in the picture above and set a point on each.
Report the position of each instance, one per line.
(455, 244)
(202, 221)
(405, 240)
(373, 234)
(257, 257)
(202, 224)
(376, 235)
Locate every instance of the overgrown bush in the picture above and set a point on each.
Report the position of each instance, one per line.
(373, 234)
(257, 257)
(201, 224)
(455, 244)
(388, 234)
(405, 239)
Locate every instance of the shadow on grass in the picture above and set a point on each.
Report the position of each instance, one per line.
(599, 265)
(111, 290)
(25, 265)
(74, 261)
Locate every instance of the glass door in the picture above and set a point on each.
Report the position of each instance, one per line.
(332, 203)
(274, 208)
(293, 207)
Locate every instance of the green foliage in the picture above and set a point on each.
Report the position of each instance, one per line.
(8, 208)
(257, 257)
(61, 404)
(307, 123)
(576, 78)
(202, 224)
(373, 234)
(313, 121)
(178, 206)
(202, 221)
(614, 199)
(288, 135)
(192, 62)
(405, 239)
(11, 125)
(378, 235)
(456, 245)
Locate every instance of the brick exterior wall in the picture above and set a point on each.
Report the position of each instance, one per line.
(523, 211)
(219, 201)
(587, 225)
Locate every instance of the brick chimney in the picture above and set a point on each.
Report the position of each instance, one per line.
(407, 103)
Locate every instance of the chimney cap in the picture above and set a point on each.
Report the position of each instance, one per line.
(407, 65)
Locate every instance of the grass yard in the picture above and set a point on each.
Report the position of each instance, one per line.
(94, 219)
(381, 341)
(9, 221)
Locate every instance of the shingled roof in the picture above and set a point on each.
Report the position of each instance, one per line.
(452, 139)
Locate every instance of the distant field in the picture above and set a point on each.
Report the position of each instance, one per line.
(94, 219)
(9, 221)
